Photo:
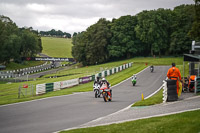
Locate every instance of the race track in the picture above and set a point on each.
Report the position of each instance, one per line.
(58, 113)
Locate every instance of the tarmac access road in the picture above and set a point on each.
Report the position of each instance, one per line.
(62, 112)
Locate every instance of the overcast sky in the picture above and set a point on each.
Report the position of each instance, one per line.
(75, 15)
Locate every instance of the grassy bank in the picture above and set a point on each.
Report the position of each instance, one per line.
(25, 64)
(187, 122)
(155, 99)
(56, 47)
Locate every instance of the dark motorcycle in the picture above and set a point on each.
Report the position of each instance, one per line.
(151, 68)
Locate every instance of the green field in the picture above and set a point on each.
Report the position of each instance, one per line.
(57, 47)
(187, 122)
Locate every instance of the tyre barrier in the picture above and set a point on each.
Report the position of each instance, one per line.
(171, 90)
(24, 71)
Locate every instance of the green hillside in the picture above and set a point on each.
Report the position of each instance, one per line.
(56, 47)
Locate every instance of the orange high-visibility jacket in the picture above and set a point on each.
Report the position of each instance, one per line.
(174, 73)
(192, 77)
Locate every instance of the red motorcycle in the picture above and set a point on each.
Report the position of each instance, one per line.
(106, 92)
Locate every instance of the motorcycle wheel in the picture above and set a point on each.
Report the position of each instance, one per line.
(105, 97)
(96, 94)
(99, 95)
(110, 98)
(133, 84)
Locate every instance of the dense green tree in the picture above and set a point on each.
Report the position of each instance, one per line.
(195, 30)
(78, 49)
(53, 32)
(154, 29)
(15, 42)
(124, 42)
(182, 22)
(155, 32)
(9, 40)
(98, 38)
(90, 47)
(74, 34)
(30, 44)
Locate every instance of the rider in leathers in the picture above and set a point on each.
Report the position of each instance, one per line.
(104, 81)
(97, 81)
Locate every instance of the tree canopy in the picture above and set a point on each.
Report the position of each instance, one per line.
(155, 32)
(53, 32)
(16, 42)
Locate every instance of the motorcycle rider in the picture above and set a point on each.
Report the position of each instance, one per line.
(104, 81)
(97, 81)
(152, 68)
(134, 77)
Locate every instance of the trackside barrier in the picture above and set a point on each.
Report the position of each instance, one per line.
(40, 89)
(69, 83)
(48, 87)
(84, 80)
(56, 86)
(197, 85)
(164, 86)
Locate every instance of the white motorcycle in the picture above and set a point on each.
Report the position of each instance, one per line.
(96, 89)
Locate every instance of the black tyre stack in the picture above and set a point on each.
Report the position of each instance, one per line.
(171, 91)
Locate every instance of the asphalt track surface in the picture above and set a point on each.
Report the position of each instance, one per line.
(62, 112)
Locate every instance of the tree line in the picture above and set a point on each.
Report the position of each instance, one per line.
(161, 32)
(17, 42)
(55, 33)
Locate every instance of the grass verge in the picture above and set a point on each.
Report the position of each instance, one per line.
(25, 64)
(187, 122)
(155, 99)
